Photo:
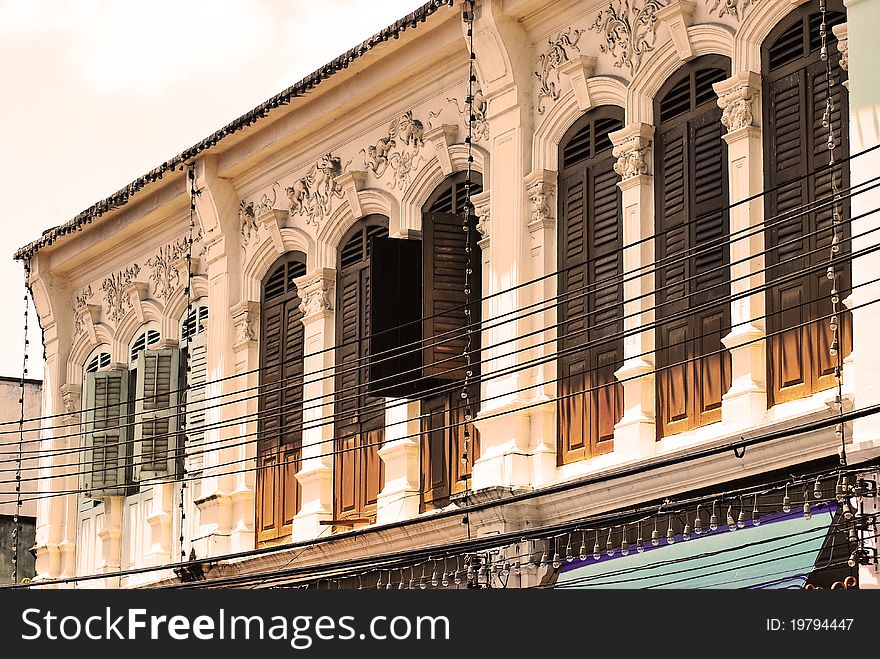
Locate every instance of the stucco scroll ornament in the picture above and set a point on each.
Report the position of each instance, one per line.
(480, 129)
(312, 195)
(118, 302)
(735, 8)
(632, 157)
(249, 227)
(736, 106)
(80, 301)
(165, 277)
(541, 197)
(549, 61)
(398, 150)
(629, 30)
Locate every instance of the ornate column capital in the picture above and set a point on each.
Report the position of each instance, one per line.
(736, 97)
(840, 32)
(483, 212)
(316, 290)
(71, 394)
(632, 148)
(245, 316)
(541, 188)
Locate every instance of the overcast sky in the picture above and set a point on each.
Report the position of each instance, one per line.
(97, 92)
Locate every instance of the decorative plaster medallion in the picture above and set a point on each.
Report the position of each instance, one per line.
(480, 130)
(117, 300)
(398, 150)
(549, 61)
(629, 30)
(249, 227)
(312, 195)
(80, 301)
(735, 8)
(165, 277)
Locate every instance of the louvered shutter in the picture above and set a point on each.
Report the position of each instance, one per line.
(195, 401)
(692, 254)
(106, 433)
(360, 417)
(443, 243)
(790, 351)
(292, 372)
(799, 361)
(675, 376)
(709, 263)
(396, 308)
(156, 413)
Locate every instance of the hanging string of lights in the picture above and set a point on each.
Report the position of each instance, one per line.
(16, 518)
(187, 331)
(467, 214)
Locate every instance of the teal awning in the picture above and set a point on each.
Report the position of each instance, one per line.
(779, 553)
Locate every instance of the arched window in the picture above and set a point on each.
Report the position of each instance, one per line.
(795, 146)
(279, 423)
(692, 225)
(444, 471)
(590, 240)
(360, 417)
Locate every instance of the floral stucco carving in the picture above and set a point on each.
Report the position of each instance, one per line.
(312, 195)
(115, 297)
(557, 53)
(397, 150)
(163, 274)
(735, 8)
(629, 30)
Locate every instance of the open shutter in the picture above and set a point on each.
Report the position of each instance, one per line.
(156, 413)
(195, 401)
(292, 373)
(396, 308)
(444, 261)
(105, 433)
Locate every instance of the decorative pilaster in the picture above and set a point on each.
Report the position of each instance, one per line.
(541, 187)
(317, 290)
(739, 99)
(635, 433)
(399, 499)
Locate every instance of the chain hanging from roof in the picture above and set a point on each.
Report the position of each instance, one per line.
(16, 518)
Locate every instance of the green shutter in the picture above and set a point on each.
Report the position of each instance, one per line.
(195, 400)
(156, 413)
(105, 433)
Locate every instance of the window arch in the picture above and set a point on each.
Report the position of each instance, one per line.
(279, 423)
(443, 471)
(98, 359)
(359, 416)
(692, 225)
(590, 239)
(795, 145)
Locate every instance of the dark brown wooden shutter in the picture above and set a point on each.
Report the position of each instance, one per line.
(798, 360)
(396, 313)
(590, 310)
(443, 271)
(691, 250)
(279, 424)
(360, 416)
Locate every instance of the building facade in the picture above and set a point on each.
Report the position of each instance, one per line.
(226, 338)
